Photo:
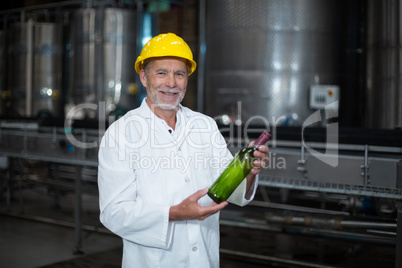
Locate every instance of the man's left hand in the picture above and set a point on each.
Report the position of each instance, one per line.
(262, 159)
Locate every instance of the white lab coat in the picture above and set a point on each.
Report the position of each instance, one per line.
(143, 170)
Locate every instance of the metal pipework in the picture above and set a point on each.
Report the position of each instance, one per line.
(327, 223)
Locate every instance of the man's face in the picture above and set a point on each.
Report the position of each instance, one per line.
(166, 82)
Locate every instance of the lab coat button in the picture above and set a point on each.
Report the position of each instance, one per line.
(194, 248)
(187, 179)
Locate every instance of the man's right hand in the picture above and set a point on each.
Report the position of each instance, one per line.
(189, 209)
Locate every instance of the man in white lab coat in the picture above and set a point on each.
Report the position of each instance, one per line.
(156, 164)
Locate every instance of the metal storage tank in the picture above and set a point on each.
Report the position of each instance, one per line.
(263, 55)
(20, 52)
(83, 79)
(119, 57)
(46, 80)
(3, 92)
(104, 52)
(34, 77)
(383, 102)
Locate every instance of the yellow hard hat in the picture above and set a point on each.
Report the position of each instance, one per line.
(165, 45)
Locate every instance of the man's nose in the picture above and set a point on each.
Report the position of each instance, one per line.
(170, 80)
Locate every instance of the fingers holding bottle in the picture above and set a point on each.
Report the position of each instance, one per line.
(189, 209)
(261, 159)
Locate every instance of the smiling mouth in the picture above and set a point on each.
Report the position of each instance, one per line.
(168, 93)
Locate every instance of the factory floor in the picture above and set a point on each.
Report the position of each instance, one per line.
(37, 230)
(27, 244)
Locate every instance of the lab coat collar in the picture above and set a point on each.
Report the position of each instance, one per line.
(182, 114)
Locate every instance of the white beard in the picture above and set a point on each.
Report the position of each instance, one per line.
(163, 106)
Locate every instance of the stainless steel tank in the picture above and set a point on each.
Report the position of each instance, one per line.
(19, 52)
(84, 60)
(119, 50)
(47, 60)
(383, 101)
(263, 55)
(34, 69)
(104, 45)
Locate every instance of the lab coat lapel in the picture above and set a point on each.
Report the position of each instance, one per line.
(159, 134)
(185, 127)
(157, 128)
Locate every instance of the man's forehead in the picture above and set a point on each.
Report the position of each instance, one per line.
(169, 61)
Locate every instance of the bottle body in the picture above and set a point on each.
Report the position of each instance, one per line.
(233, 175)
(238, 169)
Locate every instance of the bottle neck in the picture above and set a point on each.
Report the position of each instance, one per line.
(264, 137)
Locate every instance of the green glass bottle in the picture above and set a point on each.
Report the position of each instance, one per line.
(237, 170)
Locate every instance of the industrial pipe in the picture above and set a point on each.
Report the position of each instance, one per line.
(327, 223)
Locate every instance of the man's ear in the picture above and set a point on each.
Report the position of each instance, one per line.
(143, 78)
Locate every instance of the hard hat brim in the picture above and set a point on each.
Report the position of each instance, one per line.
(140, 63)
